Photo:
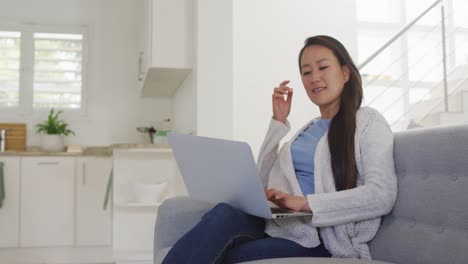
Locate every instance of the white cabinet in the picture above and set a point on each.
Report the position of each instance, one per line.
(47, 201)
(55, 201)
(139, 166)
(53, 211)
(9, 212)
(93, 223)
(166, 58)
(171, 24)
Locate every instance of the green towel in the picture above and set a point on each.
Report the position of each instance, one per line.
(108, 191)
(2, 185)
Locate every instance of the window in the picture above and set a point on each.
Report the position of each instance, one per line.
(42, 68)
(460, 19)
(415, 8)
(378, 11)
(9, 68)
(57, 70)
(461, 42)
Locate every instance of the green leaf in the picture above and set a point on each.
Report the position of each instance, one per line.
(53, 125)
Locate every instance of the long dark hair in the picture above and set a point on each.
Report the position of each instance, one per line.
(343, 125)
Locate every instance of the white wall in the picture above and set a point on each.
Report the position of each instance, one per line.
(115, 108)
(184, 102)
(245, 48)
(268, 35)
(214, 68)
(184, 106)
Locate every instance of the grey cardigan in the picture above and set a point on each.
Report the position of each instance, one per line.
(347, 220)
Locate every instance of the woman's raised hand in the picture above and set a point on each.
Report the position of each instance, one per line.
(282, 105)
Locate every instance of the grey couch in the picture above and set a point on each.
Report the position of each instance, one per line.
(429, 223)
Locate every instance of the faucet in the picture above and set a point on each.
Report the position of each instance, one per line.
(149, 130)
(3, 140)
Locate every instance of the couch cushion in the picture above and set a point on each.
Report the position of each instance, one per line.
(429, 223)
(162, 254)
(314, 261)
(180, 214)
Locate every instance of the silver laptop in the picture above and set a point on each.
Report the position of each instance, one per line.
(217, 170)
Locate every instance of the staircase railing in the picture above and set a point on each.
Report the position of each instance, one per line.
(398, 35)
(446, 92)
(443, 58)
(419, 60)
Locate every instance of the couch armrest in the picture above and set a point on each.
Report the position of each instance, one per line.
(176, 216)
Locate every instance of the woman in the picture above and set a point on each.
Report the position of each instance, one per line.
(339, 167)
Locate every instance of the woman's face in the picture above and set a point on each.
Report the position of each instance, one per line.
(322, 76)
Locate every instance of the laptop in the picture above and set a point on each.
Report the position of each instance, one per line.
(218, 170)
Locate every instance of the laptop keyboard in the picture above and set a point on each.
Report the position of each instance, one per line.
(276, 210)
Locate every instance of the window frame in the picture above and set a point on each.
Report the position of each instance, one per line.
(26, 81)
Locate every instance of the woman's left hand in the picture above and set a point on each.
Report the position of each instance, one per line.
(287, 201)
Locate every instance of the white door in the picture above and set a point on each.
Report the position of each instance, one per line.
(93, 223)
(9, 211)
(47, 201)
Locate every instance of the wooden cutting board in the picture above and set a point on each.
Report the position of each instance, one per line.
(15, 136)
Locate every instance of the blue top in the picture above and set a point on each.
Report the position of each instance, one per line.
(303, 153)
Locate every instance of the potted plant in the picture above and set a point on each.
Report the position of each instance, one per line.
(53, 131)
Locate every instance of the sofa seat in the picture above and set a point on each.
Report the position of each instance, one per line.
(164, 252)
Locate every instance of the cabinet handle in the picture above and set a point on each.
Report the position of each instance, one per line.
(48, 163)
(83, 175)
(140, 67)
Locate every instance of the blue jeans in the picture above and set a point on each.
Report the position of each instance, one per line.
(228, 235)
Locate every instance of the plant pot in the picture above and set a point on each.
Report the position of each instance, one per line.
(52, 143)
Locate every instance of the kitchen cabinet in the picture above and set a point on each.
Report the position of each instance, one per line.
(47, 201)
(140, 166)
(9, 212)
(93, 223)
(166, 53)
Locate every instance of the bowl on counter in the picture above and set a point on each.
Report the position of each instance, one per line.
(149, 193)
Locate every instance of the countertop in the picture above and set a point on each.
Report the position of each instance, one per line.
(104, 151)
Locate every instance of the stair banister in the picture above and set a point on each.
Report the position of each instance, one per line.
(397, 35)
(444, 59)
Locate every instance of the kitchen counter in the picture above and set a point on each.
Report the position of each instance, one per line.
(87, 151)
